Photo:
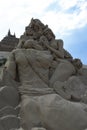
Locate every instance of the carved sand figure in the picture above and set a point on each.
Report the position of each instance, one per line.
(44, 68)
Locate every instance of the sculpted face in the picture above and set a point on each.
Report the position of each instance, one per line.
(77, 63)
(49, 34)
(29, 31)
(36, 24)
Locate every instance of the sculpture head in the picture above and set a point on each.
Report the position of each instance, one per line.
(48, 34)
(36, 24)
(28, 31)
(77, 63)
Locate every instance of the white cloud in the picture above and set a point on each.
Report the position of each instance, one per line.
(67, 4)
(16, 14)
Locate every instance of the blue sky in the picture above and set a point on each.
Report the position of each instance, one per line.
(67, 19)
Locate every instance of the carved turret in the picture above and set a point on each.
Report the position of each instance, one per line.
(9, 42)
(14, 35)
(9, 33)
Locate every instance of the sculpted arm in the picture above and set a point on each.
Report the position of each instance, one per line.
(32, 44)
(10, 66)
(56, 52)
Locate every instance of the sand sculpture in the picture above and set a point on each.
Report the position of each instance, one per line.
(41, 84)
